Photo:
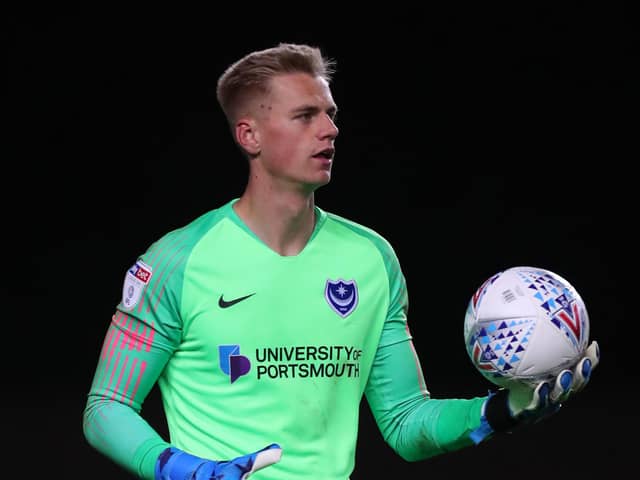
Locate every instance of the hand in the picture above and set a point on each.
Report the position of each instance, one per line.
(522, 404)
(175, 464)
(531, 404)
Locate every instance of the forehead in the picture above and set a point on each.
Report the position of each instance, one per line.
(293, 89)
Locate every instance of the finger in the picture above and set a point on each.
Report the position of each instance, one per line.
(561, 387)
(585, 366)
(583, 374)
(540, 396)
(593, 353)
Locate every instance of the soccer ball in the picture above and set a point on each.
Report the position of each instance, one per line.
(525, 324)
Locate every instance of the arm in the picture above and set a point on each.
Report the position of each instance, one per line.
(415, 425)
(143, 335)
(133, 355)
(132, 358)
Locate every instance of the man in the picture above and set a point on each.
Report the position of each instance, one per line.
(265, 321)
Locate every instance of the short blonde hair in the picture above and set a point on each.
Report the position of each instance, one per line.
(252, 73)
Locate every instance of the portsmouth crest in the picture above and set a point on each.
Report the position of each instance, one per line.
(136, 279)
(342, 296)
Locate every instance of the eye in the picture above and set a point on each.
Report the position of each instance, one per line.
(306, 116)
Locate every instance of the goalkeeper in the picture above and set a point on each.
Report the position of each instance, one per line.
(266, 320)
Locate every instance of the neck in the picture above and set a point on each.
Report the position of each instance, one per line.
(283, 220)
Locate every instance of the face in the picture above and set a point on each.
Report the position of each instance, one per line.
(294, 131)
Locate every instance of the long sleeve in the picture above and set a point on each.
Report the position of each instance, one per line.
(133, 356)
(415, 425)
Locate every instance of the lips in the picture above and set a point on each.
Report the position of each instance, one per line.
(327, 153)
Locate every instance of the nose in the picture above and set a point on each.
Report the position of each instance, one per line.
(329, 128)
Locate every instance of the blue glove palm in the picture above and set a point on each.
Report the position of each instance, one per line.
(175, 464)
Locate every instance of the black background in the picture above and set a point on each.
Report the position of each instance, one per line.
(473, 139)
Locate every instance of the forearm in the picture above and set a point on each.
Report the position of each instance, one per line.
(119, 433)
(415, 425)
(132, 357)
(436, 426)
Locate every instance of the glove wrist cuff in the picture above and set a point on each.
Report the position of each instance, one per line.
(498, 413)
(175, 463)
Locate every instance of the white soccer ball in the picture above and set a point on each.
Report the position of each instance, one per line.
(525, 324)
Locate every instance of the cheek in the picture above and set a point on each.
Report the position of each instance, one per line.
(284, 144)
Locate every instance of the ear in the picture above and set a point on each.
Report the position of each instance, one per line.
(247, 135)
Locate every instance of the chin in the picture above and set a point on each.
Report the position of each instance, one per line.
(326, 178)
(319, 182)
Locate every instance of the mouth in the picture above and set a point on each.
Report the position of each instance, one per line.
(326, 154)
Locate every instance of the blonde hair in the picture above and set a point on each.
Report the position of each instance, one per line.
(252, 73)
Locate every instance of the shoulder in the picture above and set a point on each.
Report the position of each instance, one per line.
(181, 240)
(361, 231)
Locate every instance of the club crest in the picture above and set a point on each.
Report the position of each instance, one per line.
(342, 296)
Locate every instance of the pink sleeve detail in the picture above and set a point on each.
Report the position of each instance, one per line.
(133, 339)
(127, 322)
(108, 339)
(144, 335)
(131, 372)
(122, 369)
(160, 283)
(113, 370)
(150, 336)
(143, 367)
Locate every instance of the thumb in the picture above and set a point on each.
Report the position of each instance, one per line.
(257, 460)
(523, 397)
(267, 456)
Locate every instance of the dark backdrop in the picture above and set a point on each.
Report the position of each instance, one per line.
(473, 140)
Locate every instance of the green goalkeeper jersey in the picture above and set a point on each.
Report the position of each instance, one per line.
(250, 348)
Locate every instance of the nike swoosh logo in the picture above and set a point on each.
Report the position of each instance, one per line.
(222, 303)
